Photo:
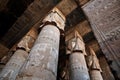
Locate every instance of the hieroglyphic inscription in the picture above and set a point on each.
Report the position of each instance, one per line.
(114, 34)
(104, 17)
(10, 71)
(43, 58)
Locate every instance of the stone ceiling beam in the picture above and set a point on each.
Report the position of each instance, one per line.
(35, 12)
(3, 50)
(74, 18)
(81, 2)
(84, 29)
(67, 6)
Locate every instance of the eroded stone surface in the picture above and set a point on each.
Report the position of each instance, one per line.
(12, 68)
(104, 17)
(43, 58)
(96, 75)
(78, 67)
(94, 67)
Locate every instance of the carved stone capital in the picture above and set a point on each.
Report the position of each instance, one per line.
(26, 43)
(28, 40)
(93, 62)
(56, 16)
(76, 44)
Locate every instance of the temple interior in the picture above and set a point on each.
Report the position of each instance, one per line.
(60, 40)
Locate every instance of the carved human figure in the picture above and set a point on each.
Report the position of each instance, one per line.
(12, 68)
(94, 67)
(43, 58)
(78, 67)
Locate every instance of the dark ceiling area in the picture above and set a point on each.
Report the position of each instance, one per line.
(74, 18)
(12, 10)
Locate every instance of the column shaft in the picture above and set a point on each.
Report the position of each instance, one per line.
(43, 58)
(12, 68)
(93, 63)
(96, 75)
(78, 67)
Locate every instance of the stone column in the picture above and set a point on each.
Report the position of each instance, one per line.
(78, 67)
(94, 67)
(43, 58)
(10, 71)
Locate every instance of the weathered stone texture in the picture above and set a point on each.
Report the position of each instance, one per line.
(78, 67)
(77, 63)
(10, 71)
(43, 58)
(67, 6)
(94, 67)
(12, 68)
(3, 50)
(106, 72)
(96, 75)
(104, 17)
(35, 12)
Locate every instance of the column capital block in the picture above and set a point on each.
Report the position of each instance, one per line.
(76, 44)
(56, 16)
(93, 62)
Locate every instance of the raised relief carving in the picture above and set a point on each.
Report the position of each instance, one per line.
(24, 43)
(43, 58)
(13, 66)
(106, 27)
(56, 16)
(113, 35)
(93, 62)
(78, 68)
(76, 44)
(94, 67)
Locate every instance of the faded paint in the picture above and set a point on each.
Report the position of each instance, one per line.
(43, 58)
(12, 68)
(78, 67)
(93, 63)
(96, 75)
(26, 42)
(104, 17)
(56, 16)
